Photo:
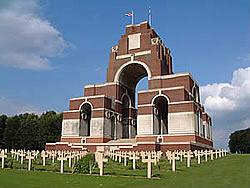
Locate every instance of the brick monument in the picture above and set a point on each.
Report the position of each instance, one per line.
(168, 116)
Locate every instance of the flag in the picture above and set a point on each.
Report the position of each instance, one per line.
(129, 14)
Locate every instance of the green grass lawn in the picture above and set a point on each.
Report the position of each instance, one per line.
(231, 171)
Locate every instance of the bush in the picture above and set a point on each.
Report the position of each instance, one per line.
(85, 165)
(55, 167)
(9, 163)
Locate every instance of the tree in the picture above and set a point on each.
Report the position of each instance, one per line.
(49, 128)
(240, 141)
(29, 131)
(10, 135)
(3, 119)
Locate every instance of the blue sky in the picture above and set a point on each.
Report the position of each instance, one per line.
(208, 38)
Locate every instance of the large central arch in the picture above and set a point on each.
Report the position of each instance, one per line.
(121, 69)
(128, 75)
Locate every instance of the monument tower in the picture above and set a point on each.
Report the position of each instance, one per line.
(169, 115)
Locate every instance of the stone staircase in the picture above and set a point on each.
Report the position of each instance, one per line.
(127, 141)
(122, 144)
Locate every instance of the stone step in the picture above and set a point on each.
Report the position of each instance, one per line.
(129, 141)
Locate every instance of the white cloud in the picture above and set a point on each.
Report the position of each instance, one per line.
(228, 96)
(228, 104)
(11, 107)
(27, 41)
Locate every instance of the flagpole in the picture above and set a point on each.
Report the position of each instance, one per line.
(149, 16)
(132, 17)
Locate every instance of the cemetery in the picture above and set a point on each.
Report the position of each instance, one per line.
(119, 133)
(128, 166)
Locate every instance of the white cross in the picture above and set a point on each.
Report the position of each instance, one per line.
(53, 155)
(156, 156)
(30, 158)
(70, 157)
(206, 153)
(181, 155)
(168, 155)
(2, 155)
(134, 157)
(12, 153)
(22, 155)
(219, 153)
(17, 155)
(149, 160)
(44, 155)
(211, 155)
(112, 154)
(100, 160)
(61, 159)
(173, 158)
(216, 154)
(125, 156)
(199, 157)
(188, 155)
(116, 156)
(119, 157)
(225, 153)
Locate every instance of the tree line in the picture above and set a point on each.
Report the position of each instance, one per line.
(240, 141)
(30, 131)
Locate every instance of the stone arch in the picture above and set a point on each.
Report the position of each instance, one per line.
(92, 107)
(129, 99)
(129, 74)
(195, 94)
(152, 101)
(85, 118)
(117, 75)
(160, 114)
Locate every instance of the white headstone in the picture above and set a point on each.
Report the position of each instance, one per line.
(173, 158)
(134, 157)
(30, 158)
(3, 156)
(100, 160)
(125, 156)
(22, 155)
(61, 159)
(70, 157)
(199, 157)
(44, 155)
(149, 160)
(188, 155)
(211, 155)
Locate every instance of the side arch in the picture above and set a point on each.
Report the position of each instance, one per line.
(85, 103)
(152, 101)
(85, 118)
(160, 105)
(195, 93)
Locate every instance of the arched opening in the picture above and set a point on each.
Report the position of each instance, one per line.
(128, 76)
(125, 117)
(85, 119)
(195, 94)
(160, 114)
